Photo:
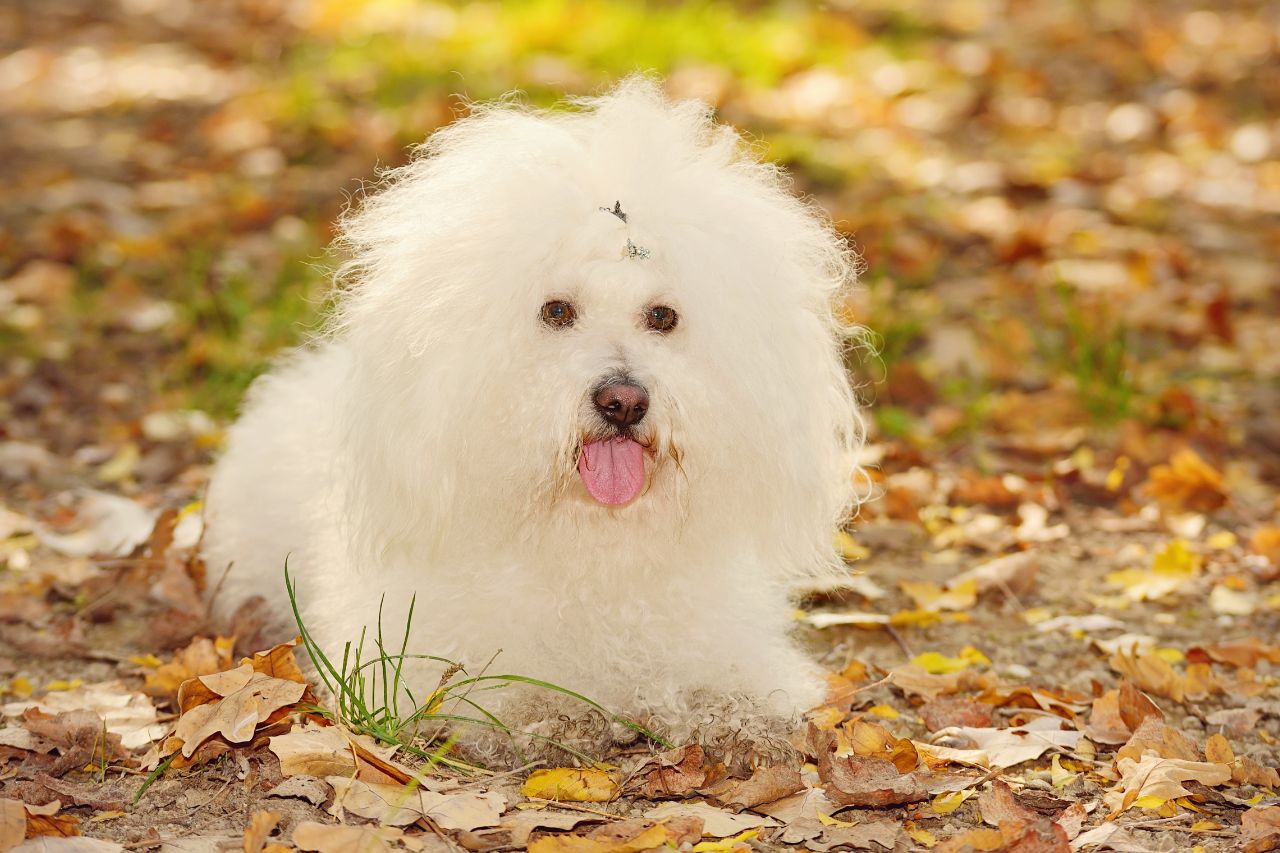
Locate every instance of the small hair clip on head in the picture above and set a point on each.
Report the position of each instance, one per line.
(616, 210)
(632, 250)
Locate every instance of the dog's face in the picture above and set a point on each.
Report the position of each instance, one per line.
(605, 335)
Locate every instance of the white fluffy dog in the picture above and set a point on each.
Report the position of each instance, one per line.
(584, 397)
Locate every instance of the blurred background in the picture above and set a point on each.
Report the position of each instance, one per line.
(1068, 210)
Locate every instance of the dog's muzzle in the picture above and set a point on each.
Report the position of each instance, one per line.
(613, 467)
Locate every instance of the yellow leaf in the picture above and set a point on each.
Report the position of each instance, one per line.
(972, 655)
(1150, 802)
(1205, 826)
(1176, 559)
(931, 597)
(148, 660)
(850, 549)
(884, 712)
(63, 685)
(949, 802)
(922, 836)
(570, 785)
(724, 845)
(828, 820)
(1171, 655)
(936, 663)
(21, 688)
(1036, 615)
(1222, 540)
(1115, 477)
(1058, 775)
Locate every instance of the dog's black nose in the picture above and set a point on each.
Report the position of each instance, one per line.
(622, 404)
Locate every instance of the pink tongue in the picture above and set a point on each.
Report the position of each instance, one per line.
(612, 470)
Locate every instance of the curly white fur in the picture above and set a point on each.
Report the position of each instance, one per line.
(427, 445)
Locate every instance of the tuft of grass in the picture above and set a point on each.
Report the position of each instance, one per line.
(373, 697)
(1092, 347)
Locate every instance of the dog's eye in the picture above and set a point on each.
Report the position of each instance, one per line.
(660, 318)
(559, 314)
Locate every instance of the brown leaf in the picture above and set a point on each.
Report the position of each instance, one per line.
(973, 840)
(1135, 706)
(765, 785)
(79, 736)
(242, 699)
(1237, 722)
(1187, 483)
(1246, 771)
(1155, 735)
(1216, 749)
(855, 781)
(1072, 819)
(44, 821)
(278, 662)
(1000, 806)
(201, 657)
(1105, 723)
(324, 838)
(674, 773)
(1244, 654)
(1038, 836)
(13, 823)
(261, 825)
(947, 711)
(914, 680)
(1260, 829)
(624, 836)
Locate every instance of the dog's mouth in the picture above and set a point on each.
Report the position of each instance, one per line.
(613, 469)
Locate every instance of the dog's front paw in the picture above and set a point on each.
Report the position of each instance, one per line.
(749, 742)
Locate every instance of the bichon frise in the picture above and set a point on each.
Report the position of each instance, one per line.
(584, 396)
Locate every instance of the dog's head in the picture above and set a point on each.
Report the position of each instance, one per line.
(609, 321)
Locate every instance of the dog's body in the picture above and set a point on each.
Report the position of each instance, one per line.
(584, 397)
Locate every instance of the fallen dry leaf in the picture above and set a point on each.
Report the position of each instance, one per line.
(571, 785)
(125, 712)
(716, 823)
(1156, 736)
(1000, 805)
(915, 680)
(625, 836)
(930, 597)
(1012, 746)
(45, 821)
(1014, 573)
(1160, 779)
(238, 701)
(855, 781)
(326, 838)
(1152, 673)
(401, 805)
(521, 823)
(1237, 722)
(202, 656)
(261, 824)
(13, 823)
(1260, 829)
(1187, 483)
(674, 773)
(765, 785)
(316, 750)
(1241, 654)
